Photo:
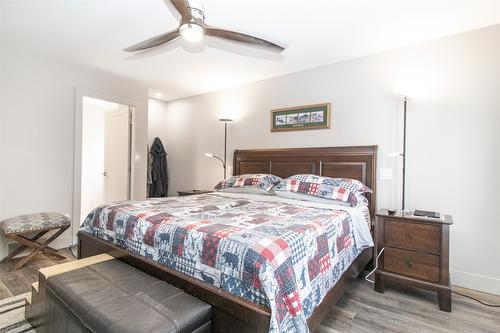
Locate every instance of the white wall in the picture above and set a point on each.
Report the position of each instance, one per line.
(1, 102)
(157, 120)
(38, 129)
(453, 133)
(3, 240)
(157, 125)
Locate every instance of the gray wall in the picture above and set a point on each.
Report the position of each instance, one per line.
(453, 121)
(1, 99)
(38, 131)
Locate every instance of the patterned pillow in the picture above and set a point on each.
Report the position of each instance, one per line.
(265, 182)
(345, 190)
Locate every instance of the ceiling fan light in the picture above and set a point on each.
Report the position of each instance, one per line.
(192, 32)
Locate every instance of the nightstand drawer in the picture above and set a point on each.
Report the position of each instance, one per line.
(413, 264)
(413, 236)
(416, 253)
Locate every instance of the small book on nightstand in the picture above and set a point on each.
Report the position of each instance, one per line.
(426, 213)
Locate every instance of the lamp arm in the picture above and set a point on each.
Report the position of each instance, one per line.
(220, 159)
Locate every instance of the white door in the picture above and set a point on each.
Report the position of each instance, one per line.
(117, 154)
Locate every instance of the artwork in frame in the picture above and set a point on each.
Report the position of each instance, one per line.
(305, 117)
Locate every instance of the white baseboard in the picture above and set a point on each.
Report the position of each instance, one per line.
(478, 282)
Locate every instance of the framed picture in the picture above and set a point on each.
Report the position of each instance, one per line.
(305, 117)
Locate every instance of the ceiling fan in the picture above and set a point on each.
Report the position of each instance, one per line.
(193, 28)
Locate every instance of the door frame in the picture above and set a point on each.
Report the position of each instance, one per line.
(77, 164)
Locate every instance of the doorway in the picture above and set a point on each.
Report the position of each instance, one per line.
(105, 154)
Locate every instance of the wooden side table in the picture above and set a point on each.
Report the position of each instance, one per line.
(184, 193)
(416, 253)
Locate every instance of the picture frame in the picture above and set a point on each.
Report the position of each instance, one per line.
(297, 118)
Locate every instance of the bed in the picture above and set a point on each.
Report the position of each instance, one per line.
(246, 265)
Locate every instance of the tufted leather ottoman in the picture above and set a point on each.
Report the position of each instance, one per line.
(114, 297)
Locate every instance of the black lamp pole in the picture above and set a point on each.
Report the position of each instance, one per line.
(223, 161)
(405, 100)
(225, 120)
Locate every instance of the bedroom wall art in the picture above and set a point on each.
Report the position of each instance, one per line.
(305, 117)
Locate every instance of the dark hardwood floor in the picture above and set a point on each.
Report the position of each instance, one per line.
(399, 309)
(19, 282)
(361, 310)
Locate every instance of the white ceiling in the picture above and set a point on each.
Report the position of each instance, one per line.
(316, 32)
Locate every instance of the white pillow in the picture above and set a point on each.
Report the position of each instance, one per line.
(246, 190)
(305, 197)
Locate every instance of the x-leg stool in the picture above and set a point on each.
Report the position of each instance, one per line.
(18, 227)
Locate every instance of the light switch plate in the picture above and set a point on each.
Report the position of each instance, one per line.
(385, 174)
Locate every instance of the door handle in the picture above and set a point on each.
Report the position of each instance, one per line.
(105, 174)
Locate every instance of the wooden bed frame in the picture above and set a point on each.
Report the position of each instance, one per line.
(235, 314)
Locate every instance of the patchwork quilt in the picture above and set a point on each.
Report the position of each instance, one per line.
(273, 253)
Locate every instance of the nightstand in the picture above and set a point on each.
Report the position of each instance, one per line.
(192, 192)
(416, 253)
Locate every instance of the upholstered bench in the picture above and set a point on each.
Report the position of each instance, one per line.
(114, 297)
(17, 228)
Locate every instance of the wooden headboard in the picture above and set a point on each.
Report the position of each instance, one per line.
(357, 162)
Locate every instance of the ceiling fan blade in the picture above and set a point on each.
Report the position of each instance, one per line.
(242, 38)
(154, 41)
(182, 7)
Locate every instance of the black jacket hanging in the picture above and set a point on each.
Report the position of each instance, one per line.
(159, 177)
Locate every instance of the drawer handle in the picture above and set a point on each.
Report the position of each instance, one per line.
(409, 264)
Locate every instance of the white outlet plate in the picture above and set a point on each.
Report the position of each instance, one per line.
(385, 174)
